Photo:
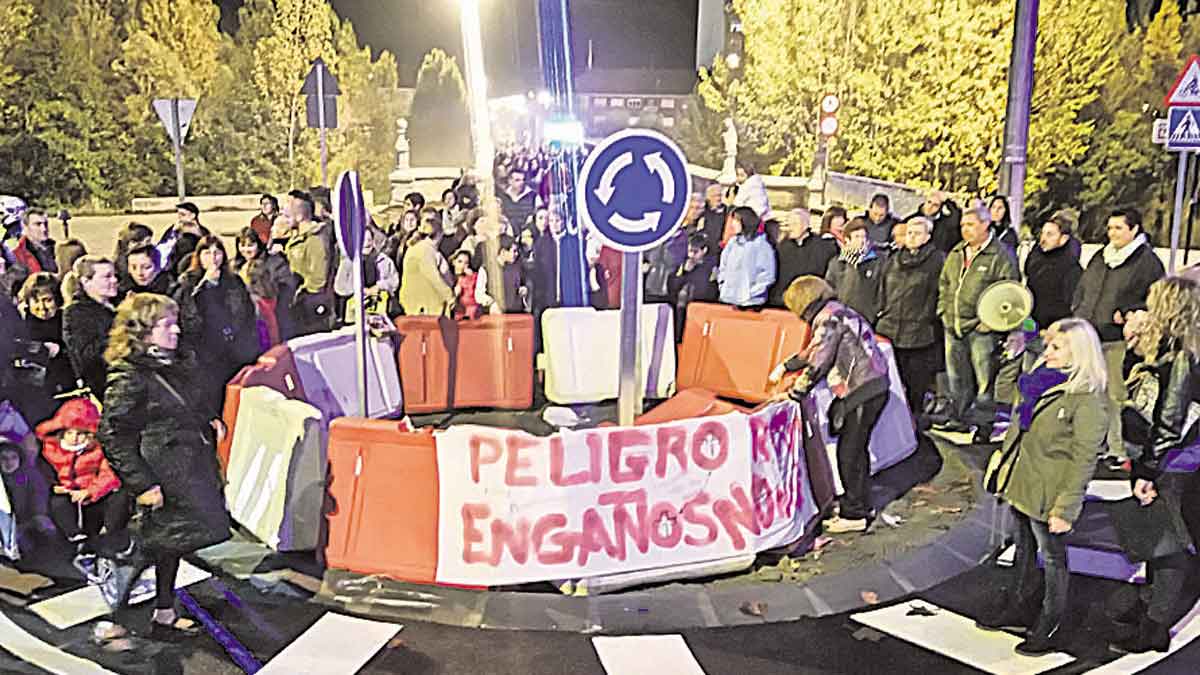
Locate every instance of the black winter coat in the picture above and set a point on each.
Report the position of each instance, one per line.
(163, 284)
(947, 226)
(858, 286)
(808, 256)
(37, 402)
(908, 296)
(218, 324)
(1052, 278)
(155, 430)
(1103, 290)
(86, 324)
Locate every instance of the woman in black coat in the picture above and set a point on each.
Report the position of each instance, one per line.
(159, 432)
(88, 319)
(217, 316)
(250, 248)
(41, 345)
(1160, 422)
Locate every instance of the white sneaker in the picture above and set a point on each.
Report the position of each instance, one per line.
(839, 525)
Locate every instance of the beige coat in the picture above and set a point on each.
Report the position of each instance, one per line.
(423, 288)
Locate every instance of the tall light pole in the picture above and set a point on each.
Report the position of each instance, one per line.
(1016, 124)
(477, 100)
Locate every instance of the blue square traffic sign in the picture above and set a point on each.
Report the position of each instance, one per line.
(1183, 129)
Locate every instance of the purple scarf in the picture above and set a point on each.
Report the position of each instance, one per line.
(1032, 386)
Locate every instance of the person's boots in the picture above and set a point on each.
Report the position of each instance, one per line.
(1041, 639)
(1014, 616)
(1151, 637)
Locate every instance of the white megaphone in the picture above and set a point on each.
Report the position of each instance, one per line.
(1004, 305)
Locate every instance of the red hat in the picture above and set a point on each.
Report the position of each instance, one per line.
(77, 413)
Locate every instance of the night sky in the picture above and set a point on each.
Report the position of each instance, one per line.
(623, 34)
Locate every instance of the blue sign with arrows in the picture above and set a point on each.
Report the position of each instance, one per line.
(634, 189)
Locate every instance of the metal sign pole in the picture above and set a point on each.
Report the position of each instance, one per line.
(360, 335)
(1177, 221)
(629, 391)
(177, 141)
(321, 118)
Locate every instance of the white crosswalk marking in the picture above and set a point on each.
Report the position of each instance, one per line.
(24, 646)
(646, 655)
(334, 645)
(956, 637)
(1186, 630)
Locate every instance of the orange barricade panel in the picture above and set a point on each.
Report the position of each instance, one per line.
(731, 352)
(275, 369)
(383, 500)
(229, 413)
(688, 404)
(494, 362)
(424, 361)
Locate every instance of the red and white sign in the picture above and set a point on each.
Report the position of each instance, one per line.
(516, 508)
(1186, 92)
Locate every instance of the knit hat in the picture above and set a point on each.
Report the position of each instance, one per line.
(77, 413)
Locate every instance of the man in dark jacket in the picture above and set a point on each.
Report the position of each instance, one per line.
(1115, 283)
(945, 216)
(694, 280)
(712, 220)
(854, 275)
(800, 253)
(908, 309)
(517, 201)
(177, 243)
(1052, 270)
(974, 264)
(880, 220)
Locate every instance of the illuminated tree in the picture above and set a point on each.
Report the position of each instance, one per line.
(439, 125)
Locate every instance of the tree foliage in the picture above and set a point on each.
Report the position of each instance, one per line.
(439, 114)
(78, 77)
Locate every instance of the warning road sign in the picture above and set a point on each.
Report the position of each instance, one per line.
(1186, 92)
(1183, 129)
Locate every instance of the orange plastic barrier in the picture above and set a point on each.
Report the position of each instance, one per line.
(482, 363)
(688, 404)
(383, 500)
(731, 352)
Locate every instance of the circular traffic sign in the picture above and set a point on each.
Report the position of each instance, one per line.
(634, 189)
(831, 103)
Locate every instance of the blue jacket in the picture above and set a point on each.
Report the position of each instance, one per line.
(747, 271)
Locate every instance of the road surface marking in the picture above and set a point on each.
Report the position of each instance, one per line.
(646, 655)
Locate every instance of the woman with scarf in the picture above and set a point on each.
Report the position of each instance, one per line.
(159, 432)
(855, 274)
(1114, 284)
(1042, 471)
(1159, 421)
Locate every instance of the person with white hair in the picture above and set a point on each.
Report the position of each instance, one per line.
(908, 293)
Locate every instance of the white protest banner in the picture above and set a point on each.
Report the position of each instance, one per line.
(516, 508)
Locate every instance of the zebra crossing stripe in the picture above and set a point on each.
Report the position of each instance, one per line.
(646, 655)
(29, 649)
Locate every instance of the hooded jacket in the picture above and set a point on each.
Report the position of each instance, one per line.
(83, 469)
(960, 285)
(747, 271)
(908, 295)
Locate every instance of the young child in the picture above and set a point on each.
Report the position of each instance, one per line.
(464, 287)
(86, 494)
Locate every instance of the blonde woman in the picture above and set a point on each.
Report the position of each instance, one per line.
(1159, 423)
(159, 436)
(1042, 471)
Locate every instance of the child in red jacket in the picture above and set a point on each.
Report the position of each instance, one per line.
(86, 494)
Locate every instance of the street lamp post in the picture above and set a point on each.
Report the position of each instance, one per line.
(481, 130)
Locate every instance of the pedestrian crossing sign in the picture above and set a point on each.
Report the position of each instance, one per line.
(1183, 131)
(1186, 92)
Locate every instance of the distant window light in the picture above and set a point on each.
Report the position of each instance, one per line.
(634, 104)
(667, 103)
(599, 102)
(633, 120)
(668, 122)
(617, 102)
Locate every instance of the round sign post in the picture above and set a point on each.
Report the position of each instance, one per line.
(633, 194)
(351, 215)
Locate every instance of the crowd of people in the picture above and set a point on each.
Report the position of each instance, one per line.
(1113, 348)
